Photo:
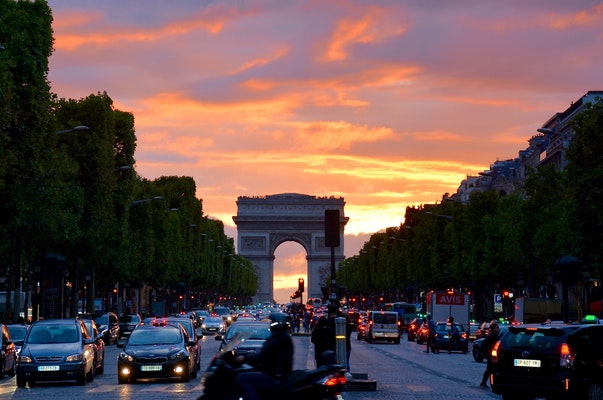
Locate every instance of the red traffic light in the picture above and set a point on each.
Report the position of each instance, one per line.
(300, 285)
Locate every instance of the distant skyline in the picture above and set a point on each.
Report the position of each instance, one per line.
(387, 104)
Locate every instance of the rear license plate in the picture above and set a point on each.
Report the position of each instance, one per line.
(150, 368)
(526, 363)
(48, 368)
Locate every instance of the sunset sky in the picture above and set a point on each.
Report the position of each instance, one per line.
(384, 103)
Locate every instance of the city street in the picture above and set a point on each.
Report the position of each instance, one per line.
(401, 371)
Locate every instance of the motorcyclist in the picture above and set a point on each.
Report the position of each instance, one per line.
(274, 361)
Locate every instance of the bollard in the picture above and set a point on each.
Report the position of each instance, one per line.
(340, 347)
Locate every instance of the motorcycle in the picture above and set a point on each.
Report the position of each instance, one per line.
(323, 383)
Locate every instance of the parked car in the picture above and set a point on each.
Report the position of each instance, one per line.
(478, 345)
(255, 333)
(533, 361)
(17, 334)
(127, 323)
(99, 346)
(443, 336)
(188, 326)
(108, 325)
(8, 354)
(156, 352)
(213, 325)
(56, 349)
(413, 328)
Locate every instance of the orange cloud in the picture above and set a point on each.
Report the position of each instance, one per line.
(325, 136)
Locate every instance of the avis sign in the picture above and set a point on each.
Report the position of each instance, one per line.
(454, 299)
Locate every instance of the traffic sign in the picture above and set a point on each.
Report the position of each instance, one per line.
(497, 298)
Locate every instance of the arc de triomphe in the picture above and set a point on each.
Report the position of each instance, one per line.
(265, 222)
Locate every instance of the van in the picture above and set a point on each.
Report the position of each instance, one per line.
(383, 325)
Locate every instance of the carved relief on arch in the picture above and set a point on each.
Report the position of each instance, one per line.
(305, 239)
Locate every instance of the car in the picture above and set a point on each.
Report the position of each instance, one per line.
(586, 371)
(17, 334)
(156, 352)
(127, 323)
(478, 345)
(201, 315)
(533, 360)
(99, 346)
(223, 312)
(443, 334)
(8, 353)
(213, 325)
(423, 333)
(413, 328)
(108, 325)
(255, 334)
(56, 350)
(189, 327)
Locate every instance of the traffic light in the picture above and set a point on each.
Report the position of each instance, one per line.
(300, 285)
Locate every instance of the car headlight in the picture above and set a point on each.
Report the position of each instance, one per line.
(181, 354)
(25, 359)
(125, 357)
(203, 326)
(75, 357)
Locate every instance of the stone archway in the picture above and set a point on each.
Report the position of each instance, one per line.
(265, 222)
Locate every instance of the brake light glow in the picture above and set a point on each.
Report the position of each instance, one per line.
(494, 353)
(335, 380)
(566, 359)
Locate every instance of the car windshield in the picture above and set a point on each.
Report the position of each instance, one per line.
(384, 318)
(215, 320)
(532, 338)
(250, 331)
(186, 324)
(154, 336)
(446, 327)
(17, 332)
(53, 334)
(129, 318)
(222, 311)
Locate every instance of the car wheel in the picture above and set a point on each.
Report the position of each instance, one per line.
(121, 380)
(595, 392)
(101, 368)
(81, 379)
(477, 354)
(21, 381)
(13, 370)
(186, 377)
(2, 372)
(31, 383)
(194, 372)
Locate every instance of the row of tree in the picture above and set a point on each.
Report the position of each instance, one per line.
(68, 186)
(496, 243)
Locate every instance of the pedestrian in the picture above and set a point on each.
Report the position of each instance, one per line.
(431, 341)
(488, 345)
(453, 335)
(323, 338)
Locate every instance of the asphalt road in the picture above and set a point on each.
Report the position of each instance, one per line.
(401, 371)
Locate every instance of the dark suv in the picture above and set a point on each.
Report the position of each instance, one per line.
(533, 361)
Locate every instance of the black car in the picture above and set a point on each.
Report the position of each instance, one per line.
(156, 352)
(478, 345)
(443, 336)
(108, 325)
(8, 354)
(533, 361)
(17, 334)
(586, 373)
(254, 333)
(127, 323)
(56, 349)
(99, 346)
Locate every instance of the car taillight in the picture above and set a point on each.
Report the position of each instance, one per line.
(494, 353)
(566, 359)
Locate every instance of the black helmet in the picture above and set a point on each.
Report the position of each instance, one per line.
(279, 322)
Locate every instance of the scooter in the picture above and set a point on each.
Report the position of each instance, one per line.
(323, 383)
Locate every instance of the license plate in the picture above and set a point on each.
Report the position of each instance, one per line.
(150, 368)
(526, 363)
(48, 368)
